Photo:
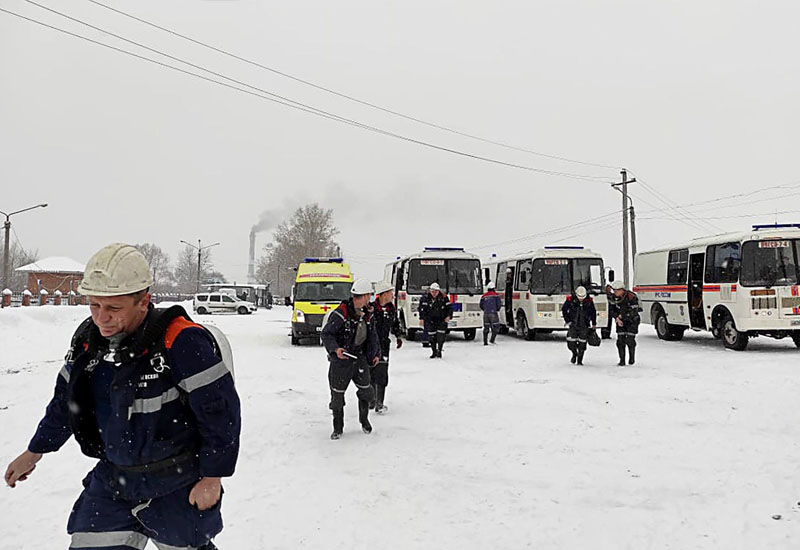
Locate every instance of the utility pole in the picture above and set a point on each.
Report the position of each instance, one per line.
(633, 234)
(625, 238)
(6, 253)
(200, 248)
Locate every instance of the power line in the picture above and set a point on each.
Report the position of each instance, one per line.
(546, 233)
(288, 102)
(738, 216)
(672, 204)
(346, 96)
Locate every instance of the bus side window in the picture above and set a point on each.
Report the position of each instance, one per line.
(722, 263)
(677, 266)
(524, 275)
(500, 282)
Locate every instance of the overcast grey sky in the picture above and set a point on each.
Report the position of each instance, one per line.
(698, 98)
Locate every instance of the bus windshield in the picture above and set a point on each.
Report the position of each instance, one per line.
(588, 273)
(453, 275)
(322, 292)
(551, 276)
(770, 263)
(464, 277)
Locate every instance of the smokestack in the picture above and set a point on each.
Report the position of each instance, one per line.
(251, 267)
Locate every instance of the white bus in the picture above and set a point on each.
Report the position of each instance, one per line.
(533, 287)
(736, 285)
(457, 272)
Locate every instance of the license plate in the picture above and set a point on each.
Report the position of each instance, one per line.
(318, 329)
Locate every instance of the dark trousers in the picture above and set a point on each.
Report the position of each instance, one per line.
(380, 378)
(626, 340)
(101, 520)
(576, 340)
(491, 322)
(437, 331)
(340, 373)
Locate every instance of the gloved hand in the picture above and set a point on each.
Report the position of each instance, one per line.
(399, 343)
(375, 361)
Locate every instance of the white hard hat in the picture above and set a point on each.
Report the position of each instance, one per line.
(361, 287)
(116, 270)
(580, 292)
(435, 286)
(490, 286)
(617, 285)
(383, 286)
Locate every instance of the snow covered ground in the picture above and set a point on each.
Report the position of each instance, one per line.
(503, 447)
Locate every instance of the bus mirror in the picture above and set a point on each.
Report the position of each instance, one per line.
(611, 277)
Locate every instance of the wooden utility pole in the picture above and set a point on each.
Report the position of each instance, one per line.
(625, 238)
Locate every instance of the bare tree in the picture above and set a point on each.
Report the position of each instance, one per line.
(19, 256)
(309, 232)
(159, 266)
(185, 273)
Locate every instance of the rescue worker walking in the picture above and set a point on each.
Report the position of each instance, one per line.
(581, 317)
(149, 394)
(352, 344)
(435, 312)
(624, 310)
(386, 325)
(491, 305)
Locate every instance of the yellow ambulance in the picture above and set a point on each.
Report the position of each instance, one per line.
(321, 284)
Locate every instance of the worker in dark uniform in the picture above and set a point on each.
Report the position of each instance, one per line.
(624, 310)
(491, 306)
(435, 312)
(387, 324)
(352, 344)
(581, 317)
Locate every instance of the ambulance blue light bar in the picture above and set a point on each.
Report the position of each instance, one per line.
(563, 248)
(442, 249)
(323, 260)
(777, 226)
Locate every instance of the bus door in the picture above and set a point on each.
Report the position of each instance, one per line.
(508, 298)
(695, 291)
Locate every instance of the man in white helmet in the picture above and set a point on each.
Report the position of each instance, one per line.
(147, 393)
(435, 312)
(352, 344)
(624, 310)
(490, 305)
(386, 325)
(581, 317)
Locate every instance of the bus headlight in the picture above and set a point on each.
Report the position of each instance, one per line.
(300, 316)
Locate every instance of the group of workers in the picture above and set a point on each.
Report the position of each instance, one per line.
(580, 316)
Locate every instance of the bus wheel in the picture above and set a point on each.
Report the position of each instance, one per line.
(796, 338)
(731, 337)
(469, 334)
(523, 330)
(201, 310)
(664, 330)
(295, 340)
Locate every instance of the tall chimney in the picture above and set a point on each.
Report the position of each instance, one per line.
(251, 267)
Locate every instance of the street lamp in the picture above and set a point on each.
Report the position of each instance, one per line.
(7, 227)
(199, 249)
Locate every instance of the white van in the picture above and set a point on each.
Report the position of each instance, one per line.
(736, 285)
(217, 302)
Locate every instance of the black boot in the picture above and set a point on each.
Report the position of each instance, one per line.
(440, 338)
(434, 352)
(380, 408)
(632, 353)
(338, 424)
(580, 357)
(621, 350)
(363, 416)
(574, 357)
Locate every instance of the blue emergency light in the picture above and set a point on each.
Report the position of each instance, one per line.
(442, 249)
(776, 226)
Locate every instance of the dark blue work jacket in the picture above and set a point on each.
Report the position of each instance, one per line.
(174, 412)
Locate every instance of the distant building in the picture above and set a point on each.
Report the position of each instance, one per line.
(51, 274)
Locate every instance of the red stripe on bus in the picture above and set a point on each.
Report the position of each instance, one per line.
(660, 288)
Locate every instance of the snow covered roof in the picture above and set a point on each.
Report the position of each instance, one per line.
(55, 264)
